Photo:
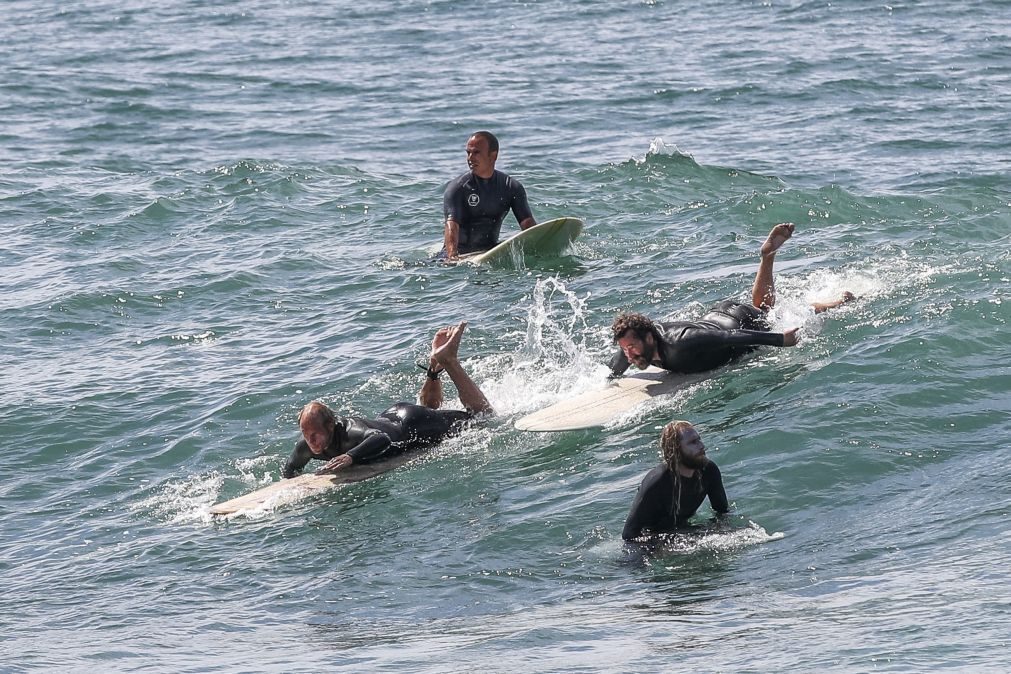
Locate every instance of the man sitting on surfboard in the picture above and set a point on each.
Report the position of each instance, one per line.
(730, 329)
(671, 493)
(343, 442)
(475, 204)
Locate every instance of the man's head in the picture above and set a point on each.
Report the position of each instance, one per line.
(482, 151)
(636, 336)
(317, 423)
(681, 445)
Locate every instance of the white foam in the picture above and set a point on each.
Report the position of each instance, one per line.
(657, 147)
(717, 541)
(185, 501)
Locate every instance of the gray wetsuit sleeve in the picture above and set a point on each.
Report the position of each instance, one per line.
(300, 456)
(619, 364)
(373, 445)
(651, 504)
(520, 206)
(713, 480)
(453, 202)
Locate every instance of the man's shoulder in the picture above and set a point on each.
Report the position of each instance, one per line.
(667, 330)
(656, 475)
(506, 179)
(459, 182)
(710, 470)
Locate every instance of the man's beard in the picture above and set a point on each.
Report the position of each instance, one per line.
(694, 462)
(645, 359)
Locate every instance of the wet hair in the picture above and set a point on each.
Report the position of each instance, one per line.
(670, 443)
(637, 323)
(489, 138)
(317, 413)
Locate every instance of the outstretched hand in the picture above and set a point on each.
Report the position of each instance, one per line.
(790, 337)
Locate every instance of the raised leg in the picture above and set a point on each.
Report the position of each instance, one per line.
(445, 352)
(763, 292)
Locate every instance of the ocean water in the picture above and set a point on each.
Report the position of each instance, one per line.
(213, 213)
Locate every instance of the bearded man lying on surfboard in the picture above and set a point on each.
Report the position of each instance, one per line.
(728, 330)
(343, 442)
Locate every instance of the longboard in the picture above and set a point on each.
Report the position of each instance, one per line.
(596, 408)
(548, 238)
(296, 488)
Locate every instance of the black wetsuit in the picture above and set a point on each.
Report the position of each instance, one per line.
(480, 205)
(728, 330)
(664, 502)
(397, 429)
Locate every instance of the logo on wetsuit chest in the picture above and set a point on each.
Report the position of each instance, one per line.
(473, 199)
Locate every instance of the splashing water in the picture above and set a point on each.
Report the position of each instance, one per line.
(554, 360)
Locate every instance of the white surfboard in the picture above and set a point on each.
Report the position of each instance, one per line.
(546, 239)
(596, 408)
(296, 488)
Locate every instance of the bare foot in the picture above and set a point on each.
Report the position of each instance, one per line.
(777, 237)
(819, 307)
(446, 344)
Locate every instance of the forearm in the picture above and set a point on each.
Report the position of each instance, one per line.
(714, 338)
(714, 488)
(619, 364)
(296, 461)
(370, 449)
(451, 238)
(631, 531)
(758, 337)
(289, 471)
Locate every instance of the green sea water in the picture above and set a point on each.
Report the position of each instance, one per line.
(212, 214)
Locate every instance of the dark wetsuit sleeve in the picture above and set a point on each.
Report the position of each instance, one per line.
(713, 481)
(300, 456)
(694, 340)
(647, 508)
(374, 445)
(742, 337)
(619, 364)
